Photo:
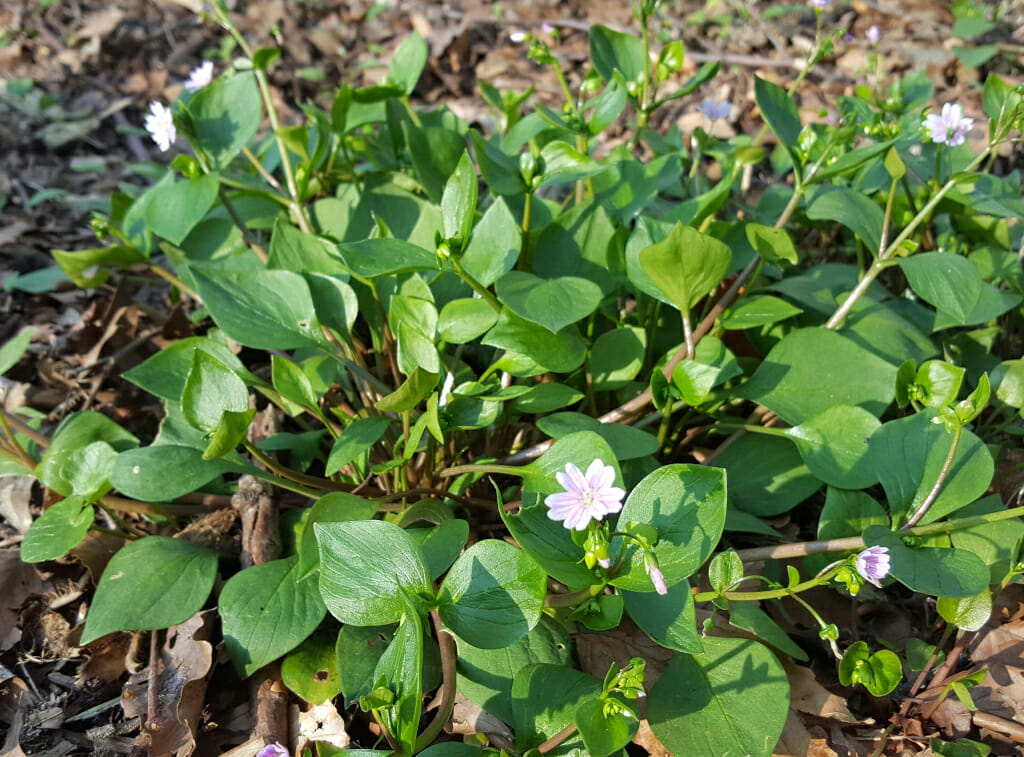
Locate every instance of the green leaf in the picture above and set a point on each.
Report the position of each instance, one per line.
(563, 352)
(712, 364)
(435, 154)
(625, 442)
(563, 165)
(441, 545)
(948, 281)
(58, 530)
(291, 383)
(88, 468)
(773, 245)
(75, 432)
(543, 398)
(759, 310)
(934, 571)
(264, 309)
(553, 303)
(79, 263)
(165, 373)
(333, 507)
(295, 250)
(155, 582)
(311, 670)
(500, 171)
(366, 568)
(267, 611)
(357, 651)
(544, 701)
(797, 388)
(463, 320)
(834, 445)
(616, 357)
(687, 265)
(731, 699)
(613, 51)
(357, 438)
(767, 476)
(726, 569)
(173, 208)
(458, 204)
(997, 543)
(853, 210)
(229, 433)
(966, 613)
(408, 395)
(226, 113)
(603, 734)
(849, 513)
(407, 62)
(779, 112)
(401, 668)
(686, 504)
(746, 616)
(493, 594)
(14, 348)
(494, 245)
(210, 390)
(381, 257)
(669, 619)
(908, 455)
(880, 673)
(161, 473)
(486, 675)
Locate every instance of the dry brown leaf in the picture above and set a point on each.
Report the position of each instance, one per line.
(798, 741)
(100, 23)
(645, 737)
(809, 696)
(19, 581)
(469, 718)
(321, 722)
(15, 501)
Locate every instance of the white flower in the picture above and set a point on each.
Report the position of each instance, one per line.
(160, 125)
(873, 34)
(714, 110)
(950, 128)
(873, 564)
(199, 76)
(585, 498)
(519, 36)
(821, 3)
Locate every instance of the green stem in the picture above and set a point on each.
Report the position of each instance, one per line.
(527, 253)
(412, 113)
(573, 598)
(939, 481)
(458, 470)
(750, 596)
(557, 739)
(477, 287)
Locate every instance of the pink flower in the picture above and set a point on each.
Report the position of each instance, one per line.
(950, 128)
(273, 750)
(873, 564)
(547, 28)
(199, 76)
(160, 125)
(657, 578)
(873, 34)
(586, 498)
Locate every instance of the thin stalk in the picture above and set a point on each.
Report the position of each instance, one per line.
(286, 478)
(261, 169)
(173, 280)
(412, 113)
(750, 596)
(446, 646)
(573, 598)
(26, 459)
(247, 235)
(484, 292)
(458, 470)
(939, 482)
(527, 253)
(557, 739)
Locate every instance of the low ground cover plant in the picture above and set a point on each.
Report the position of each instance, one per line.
(528, 389)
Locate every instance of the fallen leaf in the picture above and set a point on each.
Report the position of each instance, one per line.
(20, 581)
(99, 23)
(322, 723)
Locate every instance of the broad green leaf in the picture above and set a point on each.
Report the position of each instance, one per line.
(687, 265)
(796, 387)
(291, 383)
(81, 265)
(938, 572)
(463, 320)
(668, 619)
(265, 309)
(486, 675)
(948, 281)
(357, 651)
(908, 455)
(834, 445)
(562, 352)
(712, 364)
(165, 373)
(997, 544)
(544, 701)
(458, 204)
(852, 209)
(74, 433)
(625, 442)
(379, 257)
(451, 749)
(778, 111)
(229, 433)
(747, 616)
(408, 395)
(227, 113)
(759, 310)
(889, 331)
(766, 475)
(500, 170)
(435, 154)
(414, 322)
(311, 670)
(583, 242)
(161, 473)
(210, 390)
(966, 613)
(88, 469)
(14, 348)
(334, 300)
(604, 733)
(543, 398)
(564, 165)
(441, 545)
(295, 250)
(773, 245)
(401, 669)
(333, 507)
(58, 530)
(407, 62)
(553, 303)
(366, 567)
(357, 438)
(173, 208)
(880, 673)
(686, 504)
(493, 595)
(849, 513)
(155, 582)
(613, 51)
(494, 245)
(616, 357)
(731, 699)
(267, 611)
(726, 569)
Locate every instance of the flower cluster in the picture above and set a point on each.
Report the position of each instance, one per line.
(949, 128)
(586, 497)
